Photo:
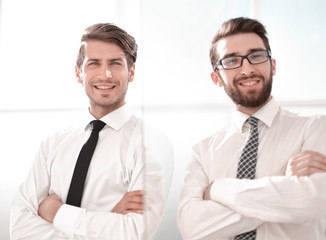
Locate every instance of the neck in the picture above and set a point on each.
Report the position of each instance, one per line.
(251, 110)
(99, 112)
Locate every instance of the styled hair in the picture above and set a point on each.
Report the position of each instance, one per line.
(234, 26)
(108, 32)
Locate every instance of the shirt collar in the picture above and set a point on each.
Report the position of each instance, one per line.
(266, 114)
(115, 119)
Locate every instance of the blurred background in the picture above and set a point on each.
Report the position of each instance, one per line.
(172, 91)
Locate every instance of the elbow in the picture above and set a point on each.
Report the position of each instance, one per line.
(311, 206)
(189, 227)
(314, 209)
(186, 228)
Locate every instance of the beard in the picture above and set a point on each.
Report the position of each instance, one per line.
(252, 98)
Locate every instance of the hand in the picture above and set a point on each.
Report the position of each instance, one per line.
(306, 163)
(207, 194)
(49, 207)
(131, 202)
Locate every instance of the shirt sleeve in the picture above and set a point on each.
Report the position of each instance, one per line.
(280, 199)
(147, 175)
(315, 135)
(80, 223)
(25, 223)
(207, 219)
(274, 199)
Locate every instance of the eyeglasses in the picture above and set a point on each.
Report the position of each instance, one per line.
(234, 62)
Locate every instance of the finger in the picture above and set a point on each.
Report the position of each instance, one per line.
(135, 196)
(306, 172)
(308, 159)
(320, 158)
(132, 194)
(55, 197)
(305, 154)
(136, 199)
(132, 211)
(299, 159)
(303, 172)
(136, 193)
(306, 164)
(309, 164)
(314, 153)
(314, 162)
(135, 206)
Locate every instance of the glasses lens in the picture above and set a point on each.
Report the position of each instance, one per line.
(231, 62)
(236, 61)
(258, 57)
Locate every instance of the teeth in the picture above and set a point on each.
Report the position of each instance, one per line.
(249, 84)
(104, 87)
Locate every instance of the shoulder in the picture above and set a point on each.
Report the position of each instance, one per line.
(154, 134)
(318, 119)
(310, 128)
(61, 136)
(316, 124)
(145, 133)
(214, 140)
(302, 119)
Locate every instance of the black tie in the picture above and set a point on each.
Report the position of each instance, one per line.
(82, 164)
(247, 165)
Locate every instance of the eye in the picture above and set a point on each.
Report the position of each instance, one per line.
(257, 55)
(92, 63)
(116, 63)
(230, 61)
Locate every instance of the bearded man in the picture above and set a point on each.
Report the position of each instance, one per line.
(263, 177)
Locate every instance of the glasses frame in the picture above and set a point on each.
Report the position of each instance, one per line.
(219, 63)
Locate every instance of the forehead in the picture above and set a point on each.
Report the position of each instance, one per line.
(240, 43)
(103, 50)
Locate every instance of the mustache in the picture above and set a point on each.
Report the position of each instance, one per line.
(237, 80)
(103, 81)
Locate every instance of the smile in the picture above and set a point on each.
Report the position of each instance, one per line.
(104, 87)
(249, 83)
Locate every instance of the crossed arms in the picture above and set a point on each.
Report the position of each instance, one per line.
(131, 202)
(38, 211)
(235, 207)
(49, 218)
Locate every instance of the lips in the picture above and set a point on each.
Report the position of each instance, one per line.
(249, 83)
(104, 87)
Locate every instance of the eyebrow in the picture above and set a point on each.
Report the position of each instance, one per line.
(92, 60)
(116, 59)
(109, 60)
(250, 51)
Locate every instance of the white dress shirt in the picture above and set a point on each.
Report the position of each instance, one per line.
(121, 163)
(279, 207)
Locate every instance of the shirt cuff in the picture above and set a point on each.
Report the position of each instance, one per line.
(224, 190)
(65, 219)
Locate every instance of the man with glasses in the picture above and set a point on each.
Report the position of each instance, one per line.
(263, 177)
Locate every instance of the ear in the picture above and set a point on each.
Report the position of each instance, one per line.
(132, 72)
(273, 61)
(78, 75)
(216, 79)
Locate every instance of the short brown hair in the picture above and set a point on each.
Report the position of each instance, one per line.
(234, 26)
(108, 32)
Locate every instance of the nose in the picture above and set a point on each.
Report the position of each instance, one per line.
(108, 73)
(104, 73)
(247, 68)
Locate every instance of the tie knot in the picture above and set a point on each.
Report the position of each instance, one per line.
(97, 125)
(253, 121)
